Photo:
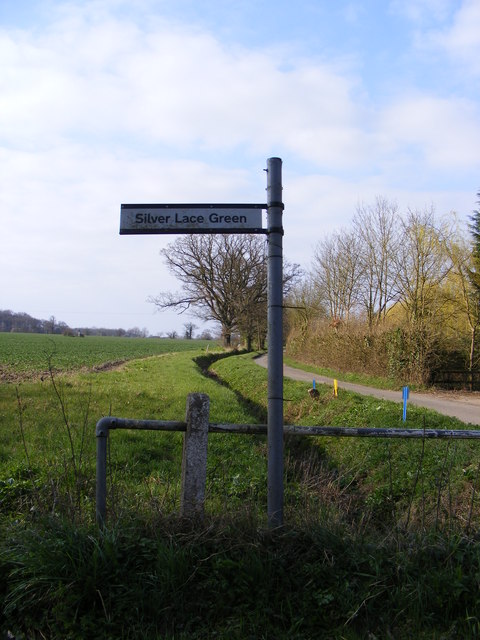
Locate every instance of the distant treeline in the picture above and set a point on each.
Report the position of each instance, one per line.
(11, 321)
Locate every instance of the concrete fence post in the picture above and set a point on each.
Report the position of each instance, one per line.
(101, 432)
(194, 462)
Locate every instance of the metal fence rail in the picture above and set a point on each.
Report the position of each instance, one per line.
(107, 424)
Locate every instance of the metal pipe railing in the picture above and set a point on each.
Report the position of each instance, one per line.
(106, 424)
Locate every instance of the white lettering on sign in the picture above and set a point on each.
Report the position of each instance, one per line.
(144, 218)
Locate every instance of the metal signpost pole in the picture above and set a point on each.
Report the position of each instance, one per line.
(238, 218)
(275, 342)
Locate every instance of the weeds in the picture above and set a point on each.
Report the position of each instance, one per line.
(73, 465)
(233, 579)
(418, 474)
(472, 500)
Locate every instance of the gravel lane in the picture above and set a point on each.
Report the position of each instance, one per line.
(462, 406)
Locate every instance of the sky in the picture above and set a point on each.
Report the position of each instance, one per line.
(105, 102)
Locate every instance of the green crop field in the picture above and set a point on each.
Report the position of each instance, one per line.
(25, 355)
(47, 422)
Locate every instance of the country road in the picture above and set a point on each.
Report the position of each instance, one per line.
(465, 407)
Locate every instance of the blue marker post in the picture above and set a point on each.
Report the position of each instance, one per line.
(313, 392)
(405, 393)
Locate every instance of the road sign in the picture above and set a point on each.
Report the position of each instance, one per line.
(239, 218)
(191, 218)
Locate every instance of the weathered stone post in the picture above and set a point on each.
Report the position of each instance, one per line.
(101, 433)
(194, 463)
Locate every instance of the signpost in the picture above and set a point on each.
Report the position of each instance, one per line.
(238, 218)
(191, 218)
(275, 342)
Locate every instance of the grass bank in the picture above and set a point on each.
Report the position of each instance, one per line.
(47, 440)
(356, 378)
(369, 482)
(233, 581)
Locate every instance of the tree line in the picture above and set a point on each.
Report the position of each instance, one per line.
(395, 293)
(20, 322)
(15, 322)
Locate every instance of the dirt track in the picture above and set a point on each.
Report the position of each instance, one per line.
(462, 406)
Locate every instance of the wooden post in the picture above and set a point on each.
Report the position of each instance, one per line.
(194, 463)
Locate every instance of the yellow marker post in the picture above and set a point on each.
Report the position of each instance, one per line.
(335, 388)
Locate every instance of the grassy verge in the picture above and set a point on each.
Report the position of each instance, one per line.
(232, 581)
(356, 378)
(369, 482)
(380, 541)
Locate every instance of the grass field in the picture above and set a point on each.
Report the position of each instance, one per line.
(25, 355)
(48, 424)
(380, 538)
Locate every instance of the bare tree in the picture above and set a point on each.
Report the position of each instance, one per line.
(465, 258)
(465, 296)
(189, 329)
(422, 263)
(206, 267)
(252, 304)
(224, 279)
(51, 324)
(305, 305)
(378, 229)
(336, 273)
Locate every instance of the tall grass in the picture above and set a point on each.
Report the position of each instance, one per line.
(231, 580)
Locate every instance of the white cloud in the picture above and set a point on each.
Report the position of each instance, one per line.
(90, 81)
(97, 109)
(422, 11)
(445, 28)
(444, 132)
(461, 40)
(174, 86)
(352, 12)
